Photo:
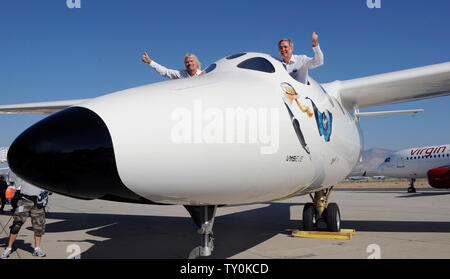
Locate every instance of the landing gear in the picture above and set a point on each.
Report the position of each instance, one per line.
(320, 210)
(203, 217)
(333, 217)
(411, 188)
(309, 217)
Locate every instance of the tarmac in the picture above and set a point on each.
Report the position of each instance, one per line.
(389, 224)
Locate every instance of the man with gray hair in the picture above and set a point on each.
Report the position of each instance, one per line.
(298, 65)
(191, 63)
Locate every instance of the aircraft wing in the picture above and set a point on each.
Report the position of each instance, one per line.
(395, 87)
(39, 108)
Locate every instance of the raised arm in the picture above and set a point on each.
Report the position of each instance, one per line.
(318, 55)
(169, 73)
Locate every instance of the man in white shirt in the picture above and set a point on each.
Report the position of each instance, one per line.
(191, 63)
(298, 65)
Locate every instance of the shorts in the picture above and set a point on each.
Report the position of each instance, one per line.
(28, 208)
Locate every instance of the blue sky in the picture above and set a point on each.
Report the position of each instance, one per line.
(50, 52)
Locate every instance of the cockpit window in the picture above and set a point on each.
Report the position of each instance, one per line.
(210, 68)
(388, 159)
(236, 55)
(257, 64)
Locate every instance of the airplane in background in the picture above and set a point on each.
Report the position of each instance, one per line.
(358, 177)
(180, 142)
(4, 169)
(379, 177)
(364, 176)
(432, 162)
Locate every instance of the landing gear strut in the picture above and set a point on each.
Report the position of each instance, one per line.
(411, 188)
(203, 217)
(320, 210)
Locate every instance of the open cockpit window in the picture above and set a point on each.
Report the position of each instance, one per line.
(257, 64)
(388, 159)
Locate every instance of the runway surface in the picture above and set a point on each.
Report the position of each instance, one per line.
(400, 225)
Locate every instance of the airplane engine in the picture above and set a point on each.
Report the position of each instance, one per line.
(439, 177)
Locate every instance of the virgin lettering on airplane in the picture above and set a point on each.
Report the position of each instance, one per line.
(432, 162)
(428, 150)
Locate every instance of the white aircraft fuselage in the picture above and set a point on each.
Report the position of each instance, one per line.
(245, 132)
(228, 137)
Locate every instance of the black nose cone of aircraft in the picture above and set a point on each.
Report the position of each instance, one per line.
(70, 153)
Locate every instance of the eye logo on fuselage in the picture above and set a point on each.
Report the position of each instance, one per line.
(324, 121)
(298, 105)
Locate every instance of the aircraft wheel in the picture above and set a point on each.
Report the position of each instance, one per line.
(411, 190)
(309, 217)
(333, 217)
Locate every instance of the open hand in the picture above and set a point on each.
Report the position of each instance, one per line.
(145, 58)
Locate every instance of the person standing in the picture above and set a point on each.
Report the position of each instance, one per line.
(31, 202)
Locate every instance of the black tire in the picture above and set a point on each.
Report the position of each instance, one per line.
(411, 190)
(333, 217)
(309, 217)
